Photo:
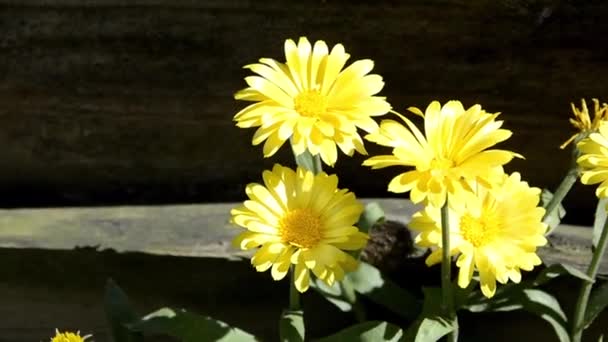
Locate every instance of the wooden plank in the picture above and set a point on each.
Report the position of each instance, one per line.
(105, 102)
(201, 230)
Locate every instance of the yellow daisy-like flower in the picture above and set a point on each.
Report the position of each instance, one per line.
(594, 159)
(311, 100)
(301, 219)
(582, 120)
(68, 337)
(452, 151)
(496, 232)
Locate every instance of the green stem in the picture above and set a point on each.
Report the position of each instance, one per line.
(308, 161)
(561, 192)
(567, 183)
(446, 272)
(294, 295)
(583, 296)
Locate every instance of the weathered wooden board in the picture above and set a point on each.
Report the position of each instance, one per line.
(107, 101)
(198, 230)
(46, 284)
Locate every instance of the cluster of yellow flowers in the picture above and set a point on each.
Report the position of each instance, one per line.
(302, 219)
(495, 221)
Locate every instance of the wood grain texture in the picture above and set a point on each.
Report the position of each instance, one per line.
(201, 231)
(131, 102)
(180, 256)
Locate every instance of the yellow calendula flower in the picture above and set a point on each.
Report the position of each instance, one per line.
(496, 232)
(582, 120)
(452, 151)
(312, 101)
(300, 219)
(68, 337)
(594, 159)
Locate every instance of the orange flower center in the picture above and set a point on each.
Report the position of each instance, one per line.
(479, 231)
(310, 103)
(301, 228)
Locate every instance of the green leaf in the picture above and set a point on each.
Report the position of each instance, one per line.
(597, 303)
(367, 280)
(119, 314)
(558, 214)
(502, 300)
(600, 220)
(372, 331)
(532, 300)
(557, 270)
(333, 294)
(430, 325)
(428, 329)
(291, 326)
(372, 214)
(463, 296)
(547, 307)
(189, 327)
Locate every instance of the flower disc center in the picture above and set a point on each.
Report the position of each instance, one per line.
(440, 166)
(300, 227)
(310, 103)
(479, 230)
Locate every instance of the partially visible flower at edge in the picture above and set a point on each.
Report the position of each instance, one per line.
(451, 153)
(594, 159)
(582, 120)
(68, 337)
(312, 101)
(496, 233)
(300, 219)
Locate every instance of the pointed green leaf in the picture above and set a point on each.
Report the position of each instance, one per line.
(430, 325)
(532, 300)
(600, 220)
(332, 293)
(547, 307)
(502, 300)
(292, 326)
(556, 216)
(372, 331)
(372, 214)
(463, 296)
(367, 280)
(597, 303)
(189, 327)
(428, 329)
(119, 314)
(557, 270)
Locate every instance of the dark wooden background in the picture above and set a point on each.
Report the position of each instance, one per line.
(107, 101)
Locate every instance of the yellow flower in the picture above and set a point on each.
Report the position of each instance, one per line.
(496, 232)
(582, 120)
(594, 159)
(68, 337)
(452, 153)
(310, 100)
(301, 219)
